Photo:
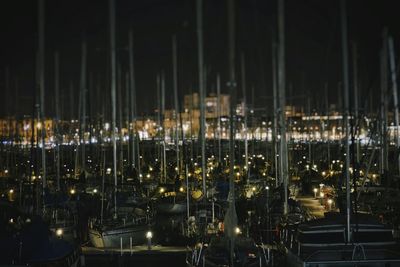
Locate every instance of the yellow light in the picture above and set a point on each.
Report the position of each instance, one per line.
(253, 188)
(150, 168)
(6, 171)
(59, 232)
(39, 125)
(181, 189)
(323, 173)
(148, 175)
(330, 201)
(321, 194)
(11, 191)
(72, 191)
(315, 190)
(95, 190)
(149, 235)
(237, 231)
(162, 190)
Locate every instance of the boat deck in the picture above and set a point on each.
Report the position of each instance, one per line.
(142, 250)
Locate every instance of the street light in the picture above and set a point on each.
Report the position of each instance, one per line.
(330, 201)
(315, 190)
(149, 236)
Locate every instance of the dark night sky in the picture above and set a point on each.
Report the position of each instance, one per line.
(312, 45)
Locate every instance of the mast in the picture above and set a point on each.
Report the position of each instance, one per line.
(83, 85)
(346, 113)
(119, 104)
(276, 114)
(113, 97)
(132, 96)
(246, 150)
(395, 99)
(282, 102)
(175, 78)
(164, 155)
(356, 109)
(219, 116)
(57, 118)
(384, 109)
(42, 89)
(232, 217)
(199, 16)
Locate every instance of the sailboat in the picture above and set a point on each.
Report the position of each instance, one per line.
(123, 228)
(347, 238)
(228, 247)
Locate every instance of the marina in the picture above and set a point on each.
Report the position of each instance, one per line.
(158, 136)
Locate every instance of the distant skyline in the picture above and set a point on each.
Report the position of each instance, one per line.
(313, 55)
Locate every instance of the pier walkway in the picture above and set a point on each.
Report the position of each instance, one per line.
(312, 205)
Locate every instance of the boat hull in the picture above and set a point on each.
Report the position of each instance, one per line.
(114, 238)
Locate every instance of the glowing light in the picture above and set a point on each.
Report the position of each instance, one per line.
(238, 231)
(181, 189)
(95, 190)
(11, 191)
(149, 235)
(59, 232)
(162, 190)
(72, 191)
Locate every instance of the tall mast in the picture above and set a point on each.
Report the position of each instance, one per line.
(232, 89)
(164, 155)
(246, 151)
(83, 87)
(132, 96)
(42, 89)
(199, 16)
(175, 76)
(282, 101)
(395, 99)
(57, 118)
(276, 108)
(356, 108)
(346, 113)
(113, 97)
(219, 116)
(384, 109)
(119, 104)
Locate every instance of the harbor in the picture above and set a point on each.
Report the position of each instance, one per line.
(199, 133)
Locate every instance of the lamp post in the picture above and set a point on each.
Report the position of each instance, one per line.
(315, 190)
(330, 201)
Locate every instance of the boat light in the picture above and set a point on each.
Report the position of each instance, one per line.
(59, 232)
(149, 235)
(237, 231)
